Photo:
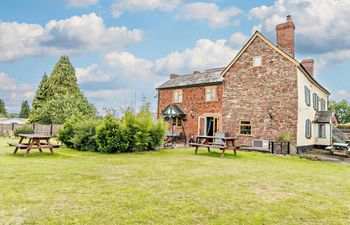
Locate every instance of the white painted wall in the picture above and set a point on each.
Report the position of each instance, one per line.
(307, 112)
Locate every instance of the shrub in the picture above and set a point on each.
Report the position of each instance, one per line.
(66, 133)
(142, 131)
(111, 137)
(26, 129)
(284, 137)
(84, 138)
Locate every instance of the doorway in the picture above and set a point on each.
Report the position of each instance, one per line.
(211, 126)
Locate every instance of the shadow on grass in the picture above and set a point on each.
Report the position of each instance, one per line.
(217, 154)
(37, 154)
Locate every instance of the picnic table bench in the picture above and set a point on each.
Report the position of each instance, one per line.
(222, 143)
(35, 142)
(341, 146)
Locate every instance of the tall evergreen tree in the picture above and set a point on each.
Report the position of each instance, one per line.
(41, 94)
(59, 97)
(25, 110)
(2, 107)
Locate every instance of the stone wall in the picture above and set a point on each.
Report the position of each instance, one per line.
(193, 99)
(249, 92)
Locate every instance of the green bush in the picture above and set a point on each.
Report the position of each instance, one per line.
(66, 133)
(84, 138)
(26, 129)
(142, 131)
(284, 137)
(111, 137)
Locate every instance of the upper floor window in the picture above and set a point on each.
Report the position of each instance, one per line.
(308, 129)
(307, 96)
(246, 127)
(257, 61)
(178, 96)
(323, 104)
(315, 100)
(210, 94)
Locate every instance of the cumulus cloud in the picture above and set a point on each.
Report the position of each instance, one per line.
(7, 83)
(75, 35)
(81, 3)
(120, 6)
(91, 74)
(209, 12)
(343, 94)
(206, 54)
(14, 93)
(237, 40)
(322, 26)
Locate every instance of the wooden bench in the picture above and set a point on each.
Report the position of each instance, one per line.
(18, 145)
(339, 146)
(203, 141)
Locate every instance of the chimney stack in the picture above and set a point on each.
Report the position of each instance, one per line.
(309, 65)
(173, 75)
(285, 36)
(196, 72)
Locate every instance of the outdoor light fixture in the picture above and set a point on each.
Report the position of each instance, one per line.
(270, 111)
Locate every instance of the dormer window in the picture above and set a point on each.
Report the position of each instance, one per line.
(257, 61)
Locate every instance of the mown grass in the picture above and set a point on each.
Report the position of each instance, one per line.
(170, 187)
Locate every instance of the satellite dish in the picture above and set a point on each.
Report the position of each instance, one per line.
(167, 118)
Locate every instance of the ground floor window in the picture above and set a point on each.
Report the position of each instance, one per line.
(322, 131)
(246, 127)
(308, 129)
(177, 122)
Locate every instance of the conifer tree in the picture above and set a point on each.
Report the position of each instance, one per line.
(59, 97)
(2, 107)
(41, 94)
(25, 110)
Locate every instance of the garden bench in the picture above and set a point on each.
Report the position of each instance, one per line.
(208, 142)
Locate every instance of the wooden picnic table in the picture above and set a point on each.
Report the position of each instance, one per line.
(34, 142)
(222, 143)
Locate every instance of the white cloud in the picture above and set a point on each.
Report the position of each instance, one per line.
(81, 3)
(75, 35)
(205, 55)
(120, 6)
(237, 40)
(110, 94)
(209, 12)
(90, 74)
(7, 83)
(321, 26)
(343, 94)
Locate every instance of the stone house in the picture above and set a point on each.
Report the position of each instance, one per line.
(263, 92)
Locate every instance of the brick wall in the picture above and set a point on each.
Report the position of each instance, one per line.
(193, 99)
(250, 91)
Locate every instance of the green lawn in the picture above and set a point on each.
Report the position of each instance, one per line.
(170, 187)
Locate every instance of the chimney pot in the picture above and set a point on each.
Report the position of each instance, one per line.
(285, 36)
(173, 75)
(196, 72)
(309, 65)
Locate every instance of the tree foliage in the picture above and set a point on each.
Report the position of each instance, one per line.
(2, 108)
(25, 110)
(59, 97)
(342, 109)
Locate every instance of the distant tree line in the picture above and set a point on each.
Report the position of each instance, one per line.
(24, 113)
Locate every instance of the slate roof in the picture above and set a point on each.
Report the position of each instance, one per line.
(211, 76)
(323, 116)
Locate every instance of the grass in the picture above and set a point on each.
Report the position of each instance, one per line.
(170, 187)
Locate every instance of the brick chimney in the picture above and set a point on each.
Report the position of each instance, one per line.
(285, 36)
(196, 72)
(309, 65)
(173, 75)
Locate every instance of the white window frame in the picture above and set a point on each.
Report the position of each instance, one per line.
(257, 61)
(177, 96)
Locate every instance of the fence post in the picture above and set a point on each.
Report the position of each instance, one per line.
(12, 126)
(288, 148)
(272, 147)
(51, 129)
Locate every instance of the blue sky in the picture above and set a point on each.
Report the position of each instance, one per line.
(123, 49)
